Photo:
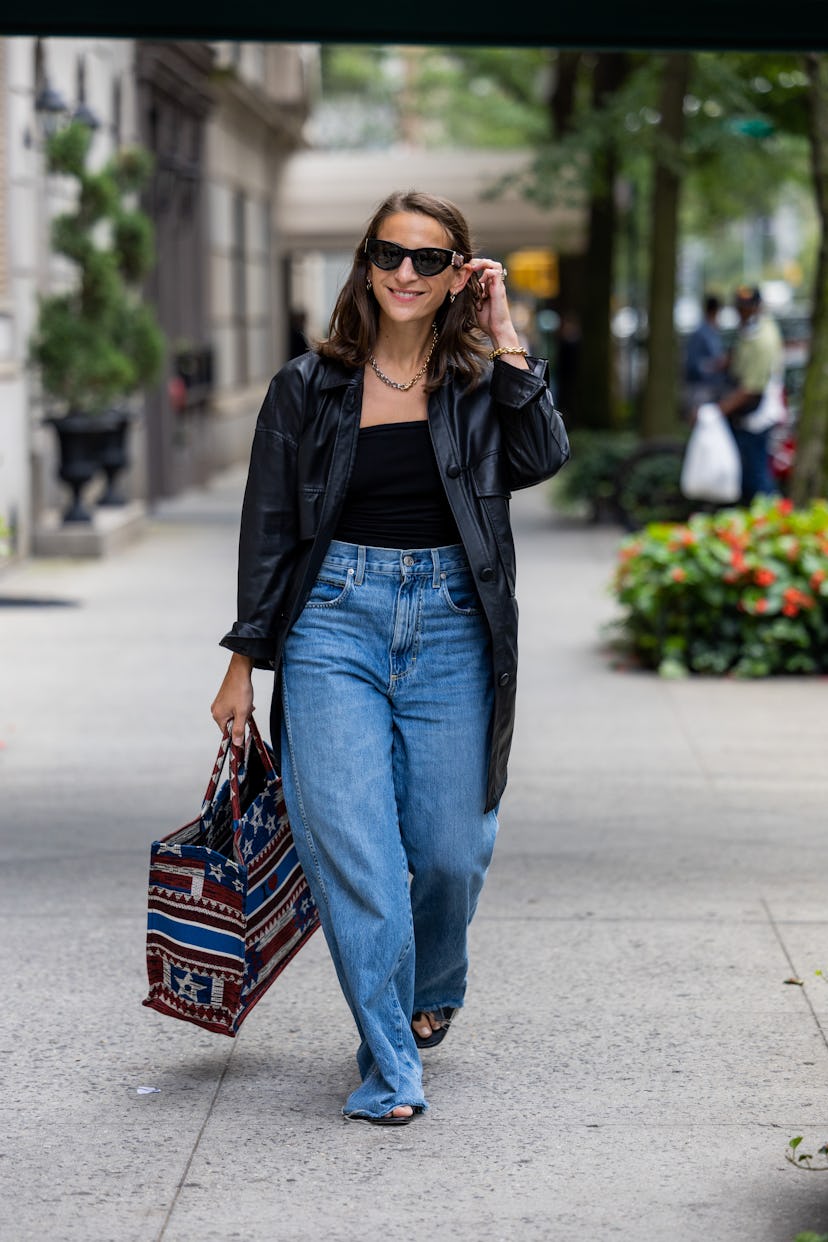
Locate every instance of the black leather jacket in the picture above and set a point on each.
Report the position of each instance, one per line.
(501, 435)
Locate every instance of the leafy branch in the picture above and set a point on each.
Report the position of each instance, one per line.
(804, 1160)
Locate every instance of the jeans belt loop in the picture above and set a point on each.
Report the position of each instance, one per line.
(435, 560)
(360, 569)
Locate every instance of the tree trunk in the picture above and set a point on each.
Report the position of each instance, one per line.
(595, 386)
(659, 409)
(568, 302)
(810, 475)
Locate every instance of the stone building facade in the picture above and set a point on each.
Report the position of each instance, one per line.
(220, 120)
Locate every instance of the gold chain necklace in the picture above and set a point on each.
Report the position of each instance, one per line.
(405, 387)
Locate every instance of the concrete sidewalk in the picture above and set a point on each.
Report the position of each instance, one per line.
(630, 1064)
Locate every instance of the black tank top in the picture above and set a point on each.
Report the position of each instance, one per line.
(395, 498)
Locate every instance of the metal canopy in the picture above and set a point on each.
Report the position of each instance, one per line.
(707, 24)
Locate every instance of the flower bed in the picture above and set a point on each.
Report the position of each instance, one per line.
(739, 591)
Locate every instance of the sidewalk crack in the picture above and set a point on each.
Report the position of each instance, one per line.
(790, 961)
(185, 1173)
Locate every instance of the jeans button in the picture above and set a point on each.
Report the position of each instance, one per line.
(408, 560)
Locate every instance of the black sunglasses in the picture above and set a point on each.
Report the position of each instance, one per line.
(427, 261)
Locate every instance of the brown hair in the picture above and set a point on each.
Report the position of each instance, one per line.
(352, 332)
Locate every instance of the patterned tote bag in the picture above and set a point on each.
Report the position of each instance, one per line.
(228, 902)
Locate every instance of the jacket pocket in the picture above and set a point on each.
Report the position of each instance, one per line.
(311, 500)
(488, 477)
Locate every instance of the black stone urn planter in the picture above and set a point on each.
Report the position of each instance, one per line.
(114, 454)
(81, 439)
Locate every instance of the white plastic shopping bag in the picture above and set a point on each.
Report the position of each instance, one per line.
(711, 468)
(770, 410)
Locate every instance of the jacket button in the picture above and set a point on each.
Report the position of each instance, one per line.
(503, 679)
(453, 472)
(486, 574)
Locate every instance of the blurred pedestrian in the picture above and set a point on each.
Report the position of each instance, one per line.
(376, 578)
(705, 359)
(754, 401)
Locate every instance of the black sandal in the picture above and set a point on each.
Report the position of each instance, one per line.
(388, 1120)
(442, 1015)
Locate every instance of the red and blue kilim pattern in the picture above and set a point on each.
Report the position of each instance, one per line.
(228, 902)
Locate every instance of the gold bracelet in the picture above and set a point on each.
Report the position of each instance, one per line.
(508, 349)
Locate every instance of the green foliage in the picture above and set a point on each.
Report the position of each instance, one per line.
(619, 475)
(805, 1160)
(132, 236)
(446, 96)
(649, 484)
(740, 591)
(98, 198)
(67, 150)
(98, 341)
(591, 472)
(132, 168)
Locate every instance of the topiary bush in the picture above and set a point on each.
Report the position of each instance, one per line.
(742, 592)
(99, 341)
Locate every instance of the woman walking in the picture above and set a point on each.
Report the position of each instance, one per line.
(377, 579)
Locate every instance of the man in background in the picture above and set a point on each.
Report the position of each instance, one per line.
(754, 402)
(705, 359)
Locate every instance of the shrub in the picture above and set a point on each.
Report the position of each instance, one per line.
(99, 341)
(738, 591)
(590, 474)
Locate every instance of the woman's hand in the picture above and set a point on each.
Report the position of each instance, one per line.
(234, 700)
(493, 314)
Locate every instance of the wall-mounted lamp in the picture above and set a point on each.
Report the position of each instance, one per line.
(86, 116)
(50, 106)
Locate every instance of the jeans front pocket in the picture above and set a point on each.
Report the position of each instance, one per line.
(459, 594)
(332, 588)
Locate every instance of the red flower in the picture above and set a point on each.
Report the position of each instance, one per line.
(817, 578)
(785, 507)
(627, 553)
(764, 577)
(793, 600)
(678, 574)
(761, 605)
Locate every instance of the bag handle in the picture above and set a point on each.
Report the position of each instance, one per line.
(237, 757)
(217, 767)
(237, 754)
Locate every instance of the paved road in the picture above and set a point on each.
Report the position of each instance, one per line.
(630, 1063)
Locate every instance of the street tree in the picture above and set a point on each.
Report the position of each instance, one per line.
(659, 402)
(811, 466)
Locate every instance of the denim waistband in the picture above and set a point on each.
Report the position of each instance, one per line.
(400, 562)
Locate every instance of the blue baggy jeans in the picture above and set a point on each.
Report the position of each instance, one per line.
(387, 695)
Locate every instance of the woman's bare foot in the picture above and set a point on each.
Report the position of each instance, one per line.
(404, 1110)
(425, 1024)
(430, 1026)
